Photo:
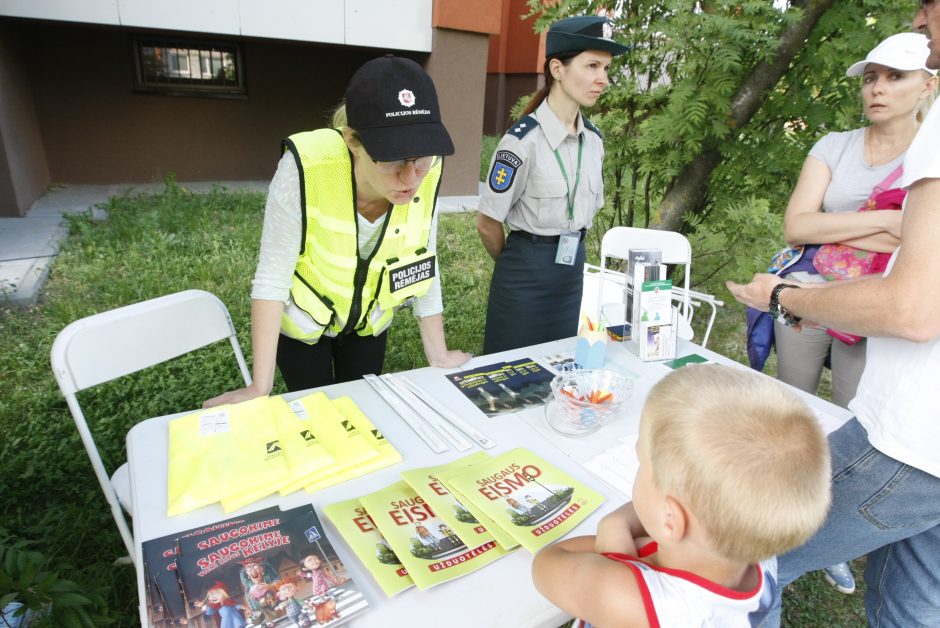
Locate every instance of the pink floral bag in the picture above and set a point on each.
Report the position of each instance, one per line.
(840, 261)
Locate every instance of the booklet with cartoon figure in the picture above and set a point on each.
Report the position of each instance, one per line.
(430, 550)
(530, 498)
(505, 386)
(455, 515)
(166, 600)
(359, 531)
(267, 567)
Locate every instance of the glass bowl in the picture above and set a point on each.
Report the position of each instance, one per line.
(584, 400)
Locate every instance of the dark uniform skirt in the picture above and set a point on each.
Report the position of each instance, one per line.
(532, 299)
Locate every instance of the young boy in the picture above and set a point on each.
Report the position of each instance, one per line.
(734, 469)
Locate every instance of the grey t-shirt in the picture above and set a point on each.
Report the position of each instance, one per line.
(852, 179)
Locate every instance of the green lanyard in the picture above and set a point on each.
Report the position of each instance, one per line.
(577, 178)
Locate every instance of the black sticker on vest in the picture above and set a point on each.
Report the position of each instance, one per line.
(410, 274)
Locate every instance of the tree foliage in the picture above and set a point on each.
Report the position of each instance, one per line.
(676, 110)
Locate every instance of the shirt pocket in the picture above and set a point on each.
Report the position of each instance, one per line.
(550, 198)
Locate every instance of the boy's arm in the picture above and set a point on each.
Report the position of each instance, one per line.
(617, 530)
(587, 585)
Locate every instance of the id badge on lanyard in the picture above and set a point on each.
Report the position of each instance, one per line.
(569, 240)
(567, 248)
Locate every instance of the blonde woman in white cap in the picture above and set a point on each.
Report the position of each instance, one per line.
(837, 178)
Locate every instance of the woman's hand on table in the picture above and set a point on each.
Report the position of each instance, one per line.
(236, 396)
(450, 359)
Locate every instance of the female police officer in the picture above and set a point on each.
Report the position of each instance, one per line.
(546, 183)
(349, 236)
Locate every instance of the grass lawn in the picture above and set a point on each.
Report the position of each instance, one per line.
(155, 245)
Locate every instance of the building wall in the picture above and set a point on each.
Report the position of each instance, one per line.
(503, 91)
(23, 171)
(458, 67)
(96, 129)
(402, 24)
(516, 55)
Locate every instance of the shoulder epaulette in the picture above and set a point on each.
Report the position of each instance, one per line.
(520, 128)
(590, 125)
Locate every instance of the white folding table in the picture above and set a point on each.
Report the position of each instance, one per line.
(500, 594)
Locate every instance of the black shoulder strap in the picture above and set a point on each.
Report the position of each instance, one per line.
(590, 125)
(522, 127)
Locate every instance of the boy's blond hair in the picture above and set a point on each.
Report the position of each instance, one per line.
(743, 454)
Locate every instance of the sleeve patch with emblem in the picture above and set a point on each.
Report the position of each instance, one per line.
(504, 170)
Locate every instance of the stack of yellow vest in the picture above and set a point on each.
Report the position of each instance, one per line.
(236, 454)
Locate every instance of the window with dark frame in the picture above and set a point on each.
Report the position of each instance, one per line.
(189, 68)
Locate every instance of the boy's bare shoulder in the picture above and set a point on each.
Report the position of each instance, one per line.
(597, 589)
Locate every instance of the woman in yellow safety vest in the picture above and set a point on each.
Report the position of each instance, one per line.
(349, 236)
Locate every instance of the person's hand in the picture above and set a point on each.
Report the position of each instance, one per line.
(892, 221)
(452, 358)
(236, 396)
(757, 293)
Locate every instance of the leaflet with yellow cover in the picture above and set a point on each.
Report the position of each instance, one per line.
(357, 423)
(425, 482)
(347, 446)
(303, 451)
(430, 550)
(532, 499)
(220, 452)
(359, 531)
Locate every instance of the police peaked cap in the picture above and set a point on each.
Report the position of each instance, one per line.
(585, 32)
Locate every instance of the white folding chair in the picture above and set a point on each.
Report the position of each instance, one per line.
(113, 344)
(607, 286)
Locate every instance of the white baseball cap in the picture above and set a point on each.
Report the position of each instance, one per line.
(904, 51)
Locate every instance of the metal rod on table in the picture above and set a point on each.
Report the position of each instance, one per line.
(413, 421)
(481, 439)
(436, 422)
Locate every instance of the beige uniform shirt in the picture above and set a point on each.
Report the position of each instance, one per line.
(525, 187)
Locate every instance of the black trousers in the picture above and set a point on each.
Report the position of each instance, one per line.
(532, 299)
(330, 360)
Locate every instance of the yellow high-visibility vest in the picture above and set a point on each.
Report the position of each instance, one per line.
(332, 286)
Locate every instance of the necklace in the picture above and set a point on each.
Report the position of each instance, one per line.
(884, 155)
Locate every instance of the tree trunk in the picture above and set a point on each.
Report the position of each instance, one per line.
(687, 190)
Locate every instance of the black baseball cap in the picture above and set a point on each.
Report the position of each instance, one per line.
(392, 104)
(585, 32)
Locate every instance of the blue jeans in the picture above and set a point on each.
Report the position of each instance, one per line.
(889, 511)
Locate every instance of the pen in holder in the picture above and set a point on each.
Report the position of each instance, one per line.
(591, 347)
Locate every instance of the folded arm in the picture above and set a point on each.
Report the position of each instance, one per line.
(903, 304)
(806, 223)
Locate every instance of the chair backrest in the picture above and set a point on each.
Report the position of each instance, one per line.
(675, 248)
(110, 345)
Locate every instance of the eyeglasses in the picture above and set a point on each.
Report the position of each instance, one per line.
(421, 164)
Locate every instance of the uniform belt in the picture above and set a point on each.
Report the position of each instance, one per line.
(543, 239)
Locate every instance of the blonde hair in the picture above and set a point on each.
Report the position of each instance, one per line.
(743, 454)
(339, 121)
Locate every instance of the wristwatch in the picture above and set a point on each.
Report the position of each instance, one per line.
(777, 311)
